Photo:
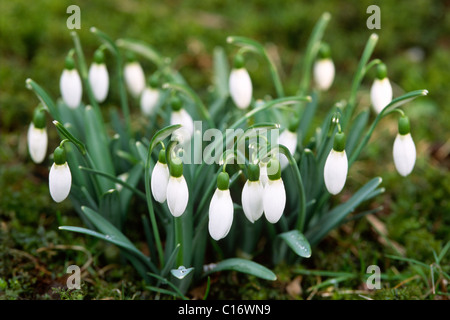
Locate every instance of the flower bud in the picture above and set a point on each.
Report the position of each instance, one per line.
(99, 77)
(324, 69)
(221, 209)
(60, 178)
(134, 76)
(274, 198)
(404, 150)
(177, 189)
(336, 166)
(70, 84)
(240, 84)
(381, 90)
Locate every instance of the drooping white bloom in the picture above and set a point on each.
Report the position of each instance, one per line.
(71, 88)
(241, 89)
(289, 140)
(149, 100)
(187, 124)
(274, 200)
(404, 152)
(99, 80)
(252, 200)
(159, 181)
(324, 73)
(177, 195)
(380, 94)
(37, 143)
(220, 214)
(335, 171)
(134, 78)
(60, 181)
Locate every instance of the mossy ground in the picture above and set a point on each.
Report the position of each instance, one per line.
(404, 239)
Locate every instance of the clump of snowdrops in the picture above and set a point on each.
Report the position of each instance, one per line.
(216, 177)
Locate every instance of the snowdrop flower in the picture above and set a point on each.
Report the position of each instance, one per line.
(99, 77)
(134, 76)
(221, 209)
(252, 194)
(70, 84)
(274, 197)
(240, 84)
(160, 178)
(177, 189)
(287, 138)
(180, 116)
(324, 69)
(37, 137)
(60, 178)
(150, 97)
(336, 165)
(381, 90)
(404, 150)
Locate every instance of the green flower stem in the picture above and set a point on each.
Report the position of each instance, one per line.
(255, 46)
(311, 51)
(112, 47)
(201, 108)
(65, 133)
(44, 98)
(390, 108)
(359, 75)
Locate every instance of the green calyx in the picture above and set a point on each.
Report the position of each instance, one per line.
(223, 181)
(176, 103)
(293, 124)
(381, 71)
(99, 56)
(130, 57)
(69, 63)
(39, 118)
(339, 142)
(403, 125)
(59, 156)
(239, 61)
(274, 169)
(253, 172)
(176, 167)
(153, 81)
(324, 51)
(162, 156)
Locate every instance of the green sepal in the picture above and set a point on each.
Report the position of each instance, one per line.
(381, 71)
(59, 156)
(339, 142)
(403, 125)
(153, 81)
(176, 167)
(324, 51)
(253, 172)
(176, 103)
(99, 56)
(223, 181)
(238, 61)
(39, 118)
(273, 165)
(162, 156)
(69, 63)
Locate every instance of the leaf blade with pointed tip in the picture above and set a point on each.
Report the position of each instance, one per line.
(244, 266)
(297, 242)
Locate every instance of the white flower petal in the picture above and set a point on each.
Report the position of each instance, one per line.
(60, 181)
(263, 177)
(380, 94)
(184, 118)
(335, 171)
(71, 88)
(37, 143)
(404, 152)
(149, 100)
(274, 200)
(252, 200)
(289, 140)
(220, 214)
(99, 80)
(324, 73)
(159, 181)
(177, 195)
(241, 89)
(134, 78)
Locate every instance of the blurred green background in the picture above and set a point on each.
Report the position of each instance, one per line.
(414, 43)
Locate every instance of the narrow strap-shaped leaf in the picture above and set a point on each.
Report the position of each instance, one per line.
(44, 97)
(221, 72)
(110, 207)
(356, 130)
(244, 266)
(334, 217)
(297, 242)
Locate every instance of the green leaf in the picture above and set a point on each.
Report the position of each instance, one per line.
(333, 218)
(65, 133)
(244, 266)
(297, 242)
(398, 102)
(356, 131)
(44, 97)
(309, 174)
(221, 72)
(307, 117)
(110, 207)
